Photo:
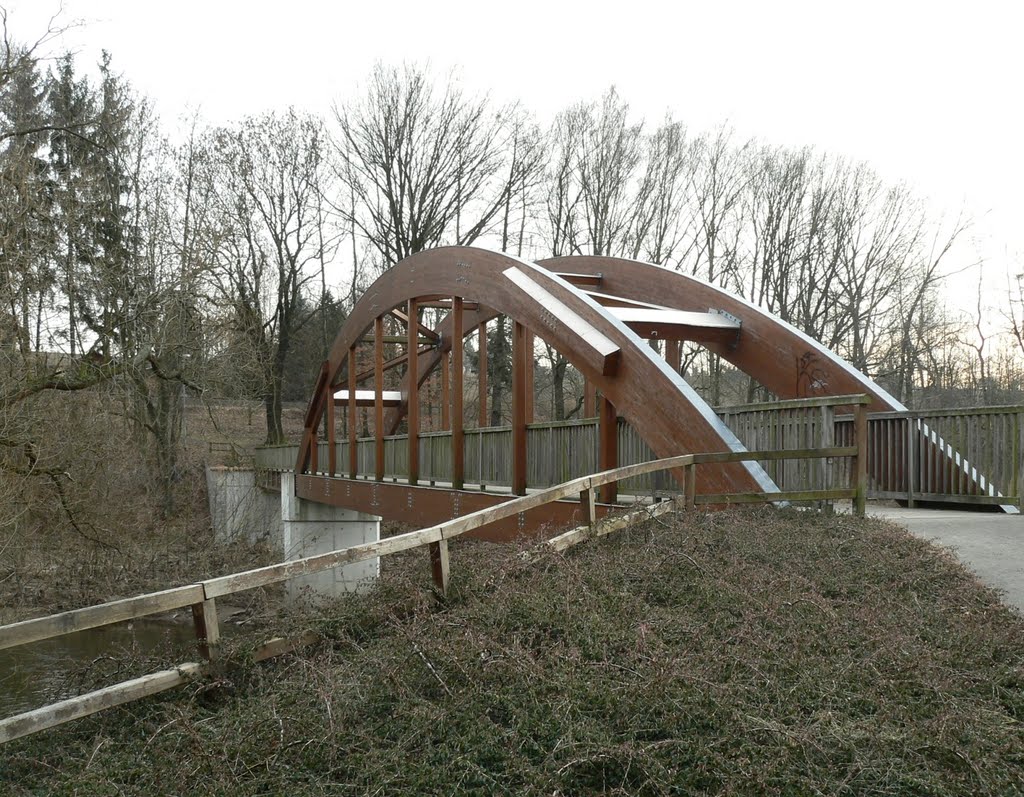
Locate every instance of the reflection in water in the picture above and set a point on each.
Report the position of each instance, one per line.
(44, 672)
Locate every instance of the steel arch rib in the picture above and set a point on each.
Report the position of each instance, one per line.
(661, 406)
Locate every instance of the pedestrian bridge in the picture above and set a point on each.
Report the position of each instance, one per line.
(621, 324)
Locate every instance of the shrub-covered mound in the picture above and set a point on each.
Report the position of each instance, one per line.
(751, 653)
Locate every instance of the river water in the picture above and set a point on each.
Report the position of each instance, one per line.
(44, 672)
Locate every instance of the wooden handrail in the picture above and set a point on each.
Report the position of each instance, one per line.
(201, 596)
(41, 628)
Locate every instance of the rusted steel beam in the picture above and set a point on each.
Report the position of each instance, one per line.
(413, 386)
(425, 506)
(378, 407)
(458, 362)
(520, 356)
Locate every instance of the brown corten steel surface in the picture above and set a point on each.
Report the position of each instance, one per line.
(427, 506)
(781, 359)
(640, 387)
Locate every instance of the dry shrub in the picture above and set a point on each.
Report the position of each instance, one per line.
(734, 653)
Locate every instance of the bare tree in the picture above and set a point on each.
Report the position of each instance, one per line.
(270, 174)
(422, 165)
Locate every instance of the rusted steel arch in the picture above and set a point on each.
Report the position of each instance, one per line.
(661, 406)
(782, 358)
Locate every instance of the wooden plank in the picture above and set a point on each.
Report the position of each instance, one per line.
(589, 399)
(92, 702)
(332, 452)
(378, 407)
(102, 614)
(446, 391)
(594, 347)
(481, 347)
(413, 410)
(423, 329)
(519, 382)
(785, 495)
(860, 423)
(673, 355)
(911, 459)
(528, 385)
(274, 574)
(946, 413)
(368, 398)
(609, 524)
(458, 361)
(608, 447)
(1018, 457)
(280, 645)
(353, 420)
(580, 280)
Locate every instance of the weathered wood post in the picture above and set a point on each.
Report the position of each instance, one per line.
(204, 618)
(439, 565)
(860, 472)
(458, 362)
(588, 506)
(691, 486)
(911, 458)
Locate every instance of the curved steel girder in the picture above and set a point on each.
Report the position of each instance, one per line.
(661, 406)
(778, 355)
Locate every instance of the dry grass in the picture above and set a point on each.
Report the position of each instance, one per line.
(735, 653)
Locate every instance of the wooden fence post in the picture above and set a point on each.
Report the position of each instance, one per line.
(691, 486)
(860, 473)
(439, 565)
(1018, 461)
(588, 505)
(911, 458)
(204, 617)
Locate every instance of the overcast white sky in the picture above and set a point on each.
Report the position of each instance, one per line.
(929, 92)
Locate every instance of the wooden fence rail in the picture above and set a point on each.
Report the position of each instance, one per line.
(201, 597)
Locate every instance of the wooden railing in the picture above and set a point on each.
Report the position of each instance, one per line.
(563, 450)
(202, 596)
(966, 456)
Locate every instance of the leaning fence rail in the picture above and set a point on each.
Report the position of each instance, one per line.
(201, 596)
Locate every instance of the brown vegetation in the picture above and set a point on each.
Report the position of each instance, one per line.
(752, 653)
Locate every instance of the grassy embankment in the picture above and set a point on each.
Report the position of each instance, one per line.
(739, 653)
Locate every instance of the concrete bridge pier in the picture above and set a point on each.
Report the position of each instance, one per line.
(310, 528)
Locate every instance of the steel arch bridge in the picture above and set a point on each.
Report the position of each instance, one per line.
(600, 313)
